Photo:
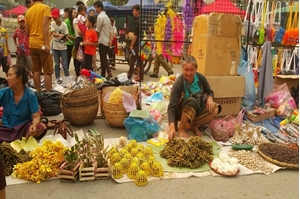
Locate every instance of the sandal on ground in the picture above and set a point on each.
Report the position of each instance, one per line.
(110, 75)
(48, 124)
(113, 67)
(41, 131)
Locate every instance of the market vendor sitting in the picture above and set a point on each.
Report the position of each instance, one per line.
(191, 100)
(21, 116)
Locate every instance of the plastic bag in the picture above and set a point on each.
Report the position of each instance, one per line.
(80, 56)
(245, 69)
(223, 128)
(49, 102)
(280, 95)
(116, 96)
(8, 63)
(140, 129)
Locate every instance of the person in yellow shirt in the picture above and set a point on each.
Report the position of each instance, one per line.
(4, 49)
(37, 20)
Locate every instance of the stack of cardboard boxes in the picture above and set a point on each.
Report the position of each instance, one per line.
(217, 49)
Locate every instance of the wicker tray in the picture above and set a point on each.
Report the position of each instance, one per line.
(282, 164)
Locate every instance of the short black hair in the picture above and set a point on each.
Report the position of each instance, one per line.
(79, 3)
(98, 4)
(80, 8)
(136, 7)
(20, 71)
(66, 9)
(91, 10)
(27, 2)
(92, 20)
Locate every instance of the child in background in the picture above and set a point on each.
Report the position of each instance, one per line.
(4, 48)
(113, 49)
(81, 18)
(21, 41)
(90, 42)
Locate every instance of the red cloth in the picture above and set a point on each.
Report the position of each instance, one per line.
(115, 44)
(90, 36)
(223, 6)
(2, 176)
(19, 10)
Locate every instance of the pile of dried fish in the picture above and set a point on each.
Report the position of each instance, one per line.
(280, 153)
(251, 136)
(191, 154)
(10, 157)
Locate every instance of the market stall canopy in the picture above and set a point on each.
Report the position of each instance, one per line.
(146, 4)
(19, 10)
(223, 6)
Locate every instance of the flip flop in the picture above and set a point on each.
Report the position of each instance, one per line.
(48, 124)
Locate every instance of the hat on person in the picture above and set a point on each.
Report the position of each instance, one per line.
(1, 17)
(21, 18)
(55, 13)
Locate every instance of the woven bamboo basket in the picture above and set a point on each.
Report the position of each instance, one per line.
(282, 164)
(83, 91)
(81, 116)
(79, 101)
(115, 114)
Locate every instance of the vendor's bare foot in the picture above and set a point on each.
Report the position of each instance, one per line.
(183, 134)
(197, 132)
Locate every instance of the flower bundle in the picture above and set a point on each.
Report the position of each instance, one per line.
(187, 14)
(44, 164)
(177, 36)
(159, 31)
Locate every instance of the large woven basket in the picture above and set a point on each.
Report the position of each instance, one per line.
(115, 114)
(81, 116)
(282, 164)
(83, 91)
(79, 101)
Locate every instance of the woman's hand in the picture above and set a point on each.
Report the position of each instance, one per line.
(32, 131)
(171, 133)
(210, 104)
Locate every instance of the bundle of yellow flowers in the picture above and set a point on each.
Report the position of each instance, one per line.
(44, 164)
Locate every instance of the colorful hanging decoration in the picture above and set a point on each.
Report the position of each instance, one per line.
(198, 7)
(187, 14)
(159, 31)
(178, 35)
(167, 37)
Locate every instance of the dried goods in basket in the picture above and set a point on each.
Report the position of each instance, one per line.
(280, 155)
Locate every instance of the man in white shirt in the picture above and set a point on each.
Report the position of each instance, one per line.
(59, 30)
(103, 28)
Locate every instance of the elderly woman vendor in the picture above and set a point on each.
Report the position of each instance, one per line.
(21, 116)
(191, 100)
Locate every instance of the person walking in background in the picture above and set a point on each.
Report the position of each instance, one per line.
(113, 49)
(71, 36)
(66, 13)
(103, 28)
(21, 41)
(160, 60)
(134, 47)
(92, 13)
(4, 48)
(78, 40)
(90, 42)
(60, 31)
(37, 21)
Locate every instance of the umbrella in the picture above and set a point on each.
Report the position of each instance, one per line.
(223, 6)
(265, 78)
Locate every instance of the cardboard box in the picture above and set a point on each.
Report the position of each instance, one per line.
(230, 106)
(227, 86)
(228, 92)
(290, 80)
(256, 116)
(217, 25)
(216, 56)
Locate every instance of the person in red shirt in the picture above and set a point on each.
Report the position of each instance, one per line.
(90, 42)
(21, 41)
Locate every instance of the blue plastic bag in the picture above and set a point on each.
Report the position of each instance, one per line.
(140, 129)
(249, 99)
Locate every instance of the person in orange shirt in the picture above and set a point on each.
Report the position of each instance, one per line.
(90, 42)
(37, 21)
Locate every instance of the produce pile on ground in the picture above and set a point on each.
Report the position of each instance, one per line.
(191, 154)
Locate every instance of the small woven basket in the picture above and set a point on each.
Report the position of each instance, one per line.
(115, 114)
(83, 91)
(81, 116)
